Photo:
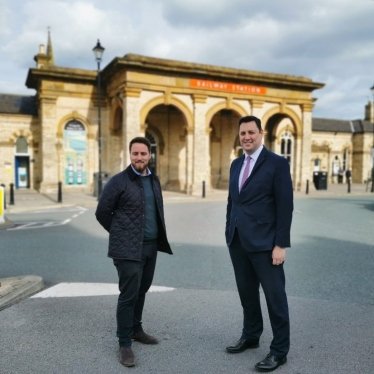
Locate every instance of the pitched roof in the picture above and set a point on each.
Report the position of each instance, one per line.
(362, 126)
(17, 104)
(331, 125)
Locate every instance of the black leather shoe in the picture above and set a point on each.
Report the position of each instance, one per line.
(271, 363)
(241, 345)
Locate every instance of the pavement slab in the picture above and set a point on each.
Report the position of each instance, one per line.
(14, 289)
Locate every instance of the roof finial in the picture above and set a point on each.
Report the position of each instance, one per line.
(51, 60)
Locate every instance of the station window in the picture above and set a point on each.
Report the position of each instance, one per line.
(287, 146)
(22, 146)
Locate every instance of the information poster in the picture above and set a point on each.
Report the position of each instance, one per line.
(75, 153)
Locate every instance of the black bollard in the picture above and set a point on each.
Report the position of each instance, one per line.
(3, 185)
(203, 189)
(11, 195)
(59, 192)
(307, 186)
(349, 185)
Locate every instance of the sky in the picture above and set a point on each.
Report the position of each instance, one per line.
(329, 41)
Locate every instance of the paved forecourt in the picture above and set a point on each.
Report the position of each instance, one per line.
(76, 335)
(70, 327)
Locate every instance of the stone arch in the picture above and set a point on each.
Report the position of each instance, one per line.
(116, 121)
(279, 120)
(281, 128)
(221, 106)
(71, 117)
(160, 100)
(116, 116)
(346, 146)
(21, 133)
(222, 122)
(286, 112)
(168, 123)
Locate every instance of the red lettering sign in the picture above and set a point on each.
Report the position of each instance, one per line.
(223, 86)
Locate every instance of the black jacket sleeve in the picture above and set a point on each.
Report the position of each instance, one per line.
(108, 203)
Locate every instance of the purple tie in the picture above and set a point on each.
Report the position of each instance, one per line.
(245, 172)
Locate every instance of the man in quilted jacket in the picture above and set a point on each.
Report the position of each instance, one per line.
(131, 210)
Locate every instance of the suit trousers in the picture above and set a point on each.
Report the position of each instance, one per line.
(135, 279)
(253, 269)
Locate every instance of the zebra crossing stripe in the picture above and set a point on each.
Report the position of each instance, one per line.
(88, 289)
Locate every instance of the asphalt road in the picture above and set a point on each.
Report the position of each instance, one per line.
(329, 272)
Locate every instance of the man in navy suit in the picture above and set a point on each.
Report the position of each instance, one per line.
(258, 225)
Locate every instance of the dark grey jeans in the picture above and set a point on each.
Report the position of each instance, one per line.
(135, 279)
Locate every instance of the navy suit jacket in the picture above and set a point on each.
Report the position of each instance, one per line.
(262, 211)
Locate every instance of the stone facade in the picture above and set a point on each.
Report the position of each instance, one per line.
(346, 145)
(188, 111)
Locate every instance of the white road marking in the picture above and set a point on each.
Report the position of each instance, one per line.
(59, 210)
(88, 289)
(39, 225)
(27, 225)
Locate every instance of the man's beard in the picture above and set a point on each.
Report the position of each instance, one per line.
(140, 166)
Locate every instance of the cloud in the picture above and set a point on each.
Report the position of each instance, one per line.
(329, 41)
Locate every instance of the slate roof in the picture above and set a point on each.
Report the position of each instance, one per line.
(339, 125)
(17, 104)
(331, 125)
(362, 126)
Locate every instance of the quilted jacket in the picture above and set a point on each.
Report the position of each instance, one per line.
(121, 211)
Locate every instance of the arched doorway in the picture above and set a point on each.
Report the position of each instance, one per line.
(280, 137)
(223, 134)
(75, 153)
(22, 163)
(171, 163)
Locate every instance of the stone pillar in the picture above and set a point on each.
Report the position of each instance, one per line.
(131, 120)
(297, 183)
(49, 159)
(201, 158)
(256, 106)
(306, 146)
(189, 159)
(60, 159)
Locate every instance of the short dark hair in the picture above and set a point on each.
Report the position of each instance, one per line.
(142, 140)
(250, 119)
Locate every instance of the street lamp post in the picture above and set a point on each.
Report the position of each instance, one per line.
(372, 148)
(98, 51)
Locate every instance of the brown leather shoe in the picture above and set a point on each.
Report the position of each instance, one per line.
(126, 356)
(144, 338)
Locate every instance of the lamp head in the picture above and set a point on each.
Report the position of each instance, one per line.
(98, 51)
